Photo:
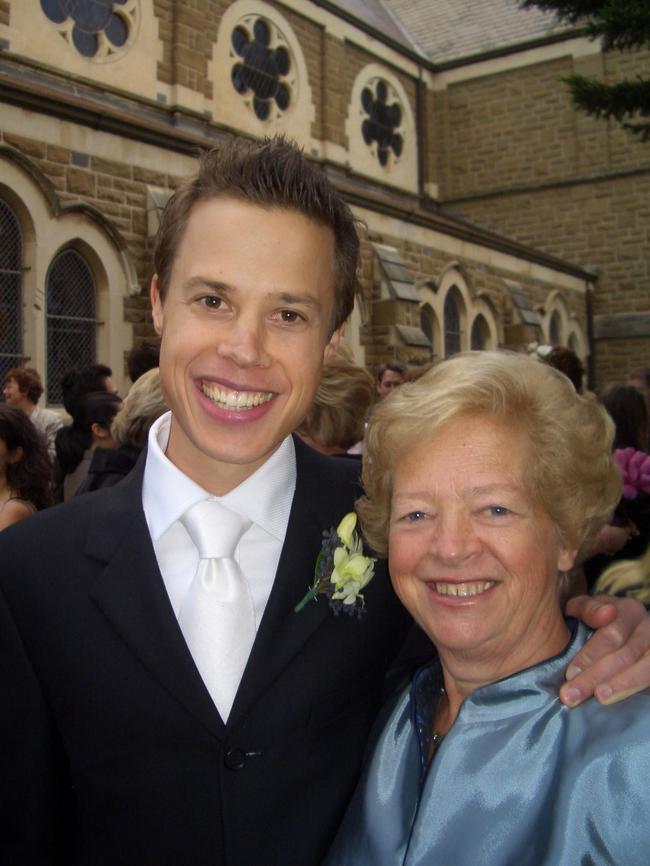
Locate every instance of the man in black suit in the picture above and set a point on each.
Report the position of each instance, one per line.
(113, 749)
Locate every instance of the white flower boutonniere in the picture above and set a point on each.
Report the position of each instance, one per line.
(342, 571)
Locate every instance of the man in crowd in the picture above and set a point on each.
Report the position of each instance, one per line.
(22, 390)
(389, 376)
(144, 719)
(75, 384)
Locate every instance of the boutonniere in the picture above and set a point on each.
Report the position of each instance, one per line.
(341, 570)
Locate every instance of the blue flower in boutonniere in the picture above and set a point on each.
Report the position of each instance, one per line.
(342, 570)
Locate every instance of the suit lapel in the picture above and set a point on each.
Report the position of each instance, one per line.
(316, 507)
(131, 593)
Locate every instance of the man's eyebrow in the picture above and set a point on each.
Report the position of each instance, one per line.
(199, 282)
(291, 298)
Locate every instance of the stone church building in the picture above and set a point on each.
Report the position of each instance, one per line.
(495, 214)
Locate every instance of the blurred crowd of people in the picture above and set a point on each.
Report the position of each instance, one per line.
(44, 460)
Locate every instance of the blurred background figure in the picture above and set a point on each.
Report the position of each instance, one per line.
(141, 358)
(389, 376)
(567, 362)
(22, 390)
(627, 578)
(142, 406)
(628, 534)
(77, 383)
(90, 429)
(25, 468)
(337, 417)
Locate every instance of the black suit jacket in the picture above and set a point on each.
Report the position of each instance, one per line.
(112, 751)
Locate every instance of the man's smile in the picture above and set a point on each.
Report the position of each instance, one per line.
(227, 398)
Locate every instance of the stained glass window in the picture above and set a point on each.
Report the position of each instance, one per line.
(262, 65)
(95, 28)
(382, 120)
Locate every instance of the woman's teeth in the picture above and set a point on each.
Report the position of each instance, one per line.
(464, 590)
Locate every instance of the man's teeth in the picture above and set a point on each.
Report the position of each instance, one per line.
(227, 399)
(464, 590)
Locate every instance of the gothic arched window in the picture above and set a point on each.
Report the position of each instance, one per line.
(452, 323)
(554, 327)
(11, 290)
(71, 318)
(480, 333)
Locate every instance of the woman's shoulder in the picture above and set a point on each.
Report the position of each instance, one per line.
(14, 510)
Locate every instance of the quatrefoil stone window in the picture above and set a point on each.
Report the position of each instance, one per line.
(97, 29)
(382, 124)
(263, 71)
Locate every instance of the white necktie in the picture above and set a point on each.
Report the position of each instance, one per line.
(217, 617)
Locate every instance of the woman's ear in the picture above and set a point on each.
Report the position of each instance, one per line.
(16, 454)
(566, 559)
(100, 432)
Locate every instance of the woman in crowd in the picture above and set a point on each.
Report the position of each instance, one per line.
(75, 444)
(25, 468)
(483, 480)
(337, 417)
(631, 521)
(143, 405)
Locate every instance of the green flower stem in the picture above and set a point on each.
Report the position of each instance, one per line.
(313, 592)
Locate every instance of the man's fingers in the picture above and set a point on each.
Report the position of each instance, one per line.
(623, 669)
(594, 610)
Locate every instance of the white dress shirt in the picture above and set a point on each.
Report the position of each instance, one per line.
(264, 498)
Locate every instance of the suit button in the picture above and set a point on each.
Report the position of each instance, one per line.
(235, 759)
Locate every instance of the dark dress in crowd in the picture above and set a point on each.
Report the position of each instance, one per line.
(634, 512)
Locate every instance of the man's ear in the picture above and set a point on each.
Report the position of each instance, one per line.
(332, 344)
(156, 305)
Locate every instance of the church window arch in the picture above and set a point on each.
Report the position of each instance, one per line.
(11, 289)
(71, 318)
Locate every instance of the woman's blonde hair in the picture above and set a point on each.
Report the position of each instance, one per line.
(337, 416)
(572, 475)
(628, 578)
(143, 404)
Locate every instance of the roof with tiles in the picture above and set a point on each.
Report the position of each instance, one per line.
(449, 30)
(380, 17)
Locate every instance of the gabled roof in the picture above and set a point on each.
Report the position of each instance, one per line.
(449, 30)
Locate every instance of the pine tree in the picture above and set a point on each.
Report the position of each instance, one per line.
(623, 25)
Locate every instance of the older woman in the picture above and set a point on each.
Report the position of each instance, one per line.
(484, 479)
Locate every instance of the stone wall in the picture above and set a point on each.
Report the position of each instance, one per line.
(518, 159)
(518, 129)
(118, 191)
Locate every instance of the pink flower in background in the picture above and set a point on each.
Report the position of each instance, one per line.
(634, 467)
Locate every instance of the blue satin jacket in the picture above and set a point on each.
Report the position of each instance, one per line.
(519, 780)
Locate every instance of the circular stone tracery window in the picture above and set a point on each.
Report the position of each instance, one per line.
(263, 72)
(97, 29)
(382, 126)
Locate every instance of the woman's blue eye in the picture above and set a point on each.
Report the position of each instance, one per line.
(414, 516)
(498, 510)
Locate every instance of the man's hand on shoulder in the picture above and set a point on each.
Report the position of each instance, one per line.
(615, 662)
